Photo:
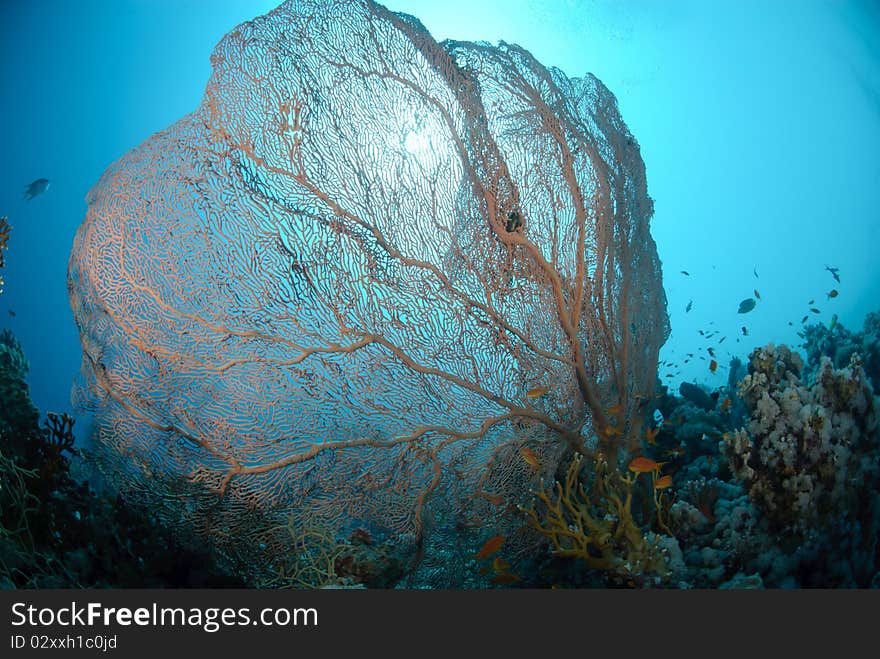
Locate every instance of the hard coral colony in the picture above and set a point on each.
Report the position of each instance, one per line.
(326, 355)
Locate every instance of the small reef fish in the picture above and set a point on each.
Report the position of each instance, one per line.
(711, 352)
(612, 431)
(726, 404)
(491, 547)
(35, 188)
(831, 325)
(721, 340)
(685, 273)
(651, 435)
(745, 330)
(500, 565)
(615, 409)
(833, 272)
(530, 457)
(757, 294)
(713, 366)
(815, 310)
(746, 305)
(12, 313)
(504, 579)
(755, 271)
(663, 482)
(804, 319)
(644, 465)
(690, 305)
(832, 293)
(536, 392)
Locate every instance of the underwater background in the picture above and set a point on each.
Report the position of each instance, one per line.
(759, 127)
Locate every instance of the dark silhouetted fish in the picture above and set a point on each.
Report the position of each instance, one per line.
(832, 293)
(38, 187)
(689, 306)
(746, 305)
(833, 272)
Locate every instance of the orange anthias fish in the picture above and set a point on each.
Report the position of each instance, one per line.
(500, 565)
(726, 404)
(651, 435)
(615, 409)
(536, 392)
(644, 465)
(713, 366)
(530, 457)
(663, 482)
(491, 546)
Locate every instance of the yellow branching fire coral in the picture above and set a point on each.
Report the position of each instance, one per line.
(597, 526)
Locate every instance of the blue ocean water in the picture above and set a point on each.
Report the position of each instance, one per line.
(759, 123)
(759, 126)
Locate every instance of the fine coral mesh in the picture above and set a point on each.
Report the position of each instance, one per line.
(331, 286)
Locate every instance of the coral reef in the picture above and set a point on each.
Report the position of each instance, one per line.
(839, 344)
(779, 486)
(17, 414)
(56, 532)
(808, 458)
(791, 499)
(5, 230)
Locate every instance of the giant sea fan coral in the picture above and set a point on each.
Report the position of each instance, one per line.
(333, 283)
